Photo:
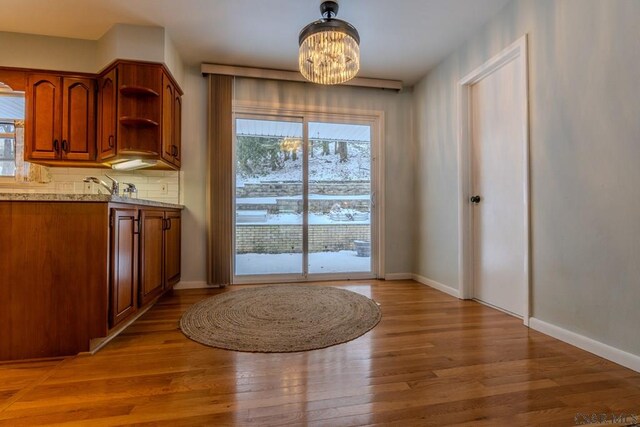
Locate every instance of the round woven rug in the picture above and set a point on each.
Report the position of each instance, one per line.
(280, 319)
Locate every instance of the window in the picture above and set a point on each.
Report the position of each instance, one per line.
(7, 148)
(12, 108)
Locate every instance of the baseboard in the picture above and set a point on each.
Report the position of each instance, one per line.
(398, 276)
(191, 285)
(605, 351)
(436, 285)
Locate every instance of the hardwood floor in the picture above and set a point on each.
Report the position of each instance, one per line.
(433, 360)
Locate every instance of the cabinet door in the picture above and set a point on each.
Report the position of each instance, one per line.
(78, 119)
(124, 264)
(151, 254)
(168, 92)
(43, 118)
(107, 117)
(172, 248)
(177, 129)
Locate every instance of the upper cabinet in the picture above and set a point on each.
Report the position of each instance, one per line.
(132, 110)
(137, 114)
(171, 122)
(60, 119)
(107, 118)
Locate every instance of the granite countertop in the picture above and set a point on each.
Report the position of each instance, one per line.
(106, 198)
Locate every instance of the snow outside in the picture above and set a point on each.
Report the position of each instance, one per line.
(269, 201)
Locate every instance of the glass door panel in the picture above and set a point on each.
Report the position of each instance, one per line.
(269, 197)
(339, 200)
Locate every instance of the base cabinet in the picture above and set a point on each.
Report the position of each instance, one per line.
(75, 273)
(124, 264)
(145, 259)
(172, 237)
(151, 257)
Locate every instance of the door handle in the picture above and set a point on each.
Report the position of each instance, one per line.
(475, 199)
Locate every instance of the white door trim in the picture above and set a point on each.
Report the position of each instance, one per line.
(515, 52)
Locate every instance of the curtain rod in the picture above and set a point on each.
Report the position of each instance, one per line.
(263, 73)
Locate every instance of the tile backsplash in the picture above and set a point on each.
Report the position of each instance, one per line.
(161, 186)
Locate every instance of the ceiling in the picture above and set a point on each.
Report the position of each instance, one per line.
(400, 39)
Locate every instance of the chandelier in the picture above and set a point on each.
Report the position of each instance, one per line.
(329, 48)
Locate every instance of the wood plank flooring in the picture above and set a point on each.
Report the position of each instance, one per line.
(432, 361)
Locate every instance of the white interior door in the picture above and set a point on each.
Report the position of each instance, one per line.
(498, 178)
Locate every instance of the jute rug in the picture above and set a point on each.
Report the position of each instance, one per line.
(280, 319)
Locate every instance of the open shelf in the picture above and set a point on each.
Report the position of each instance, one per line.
(138, 91)
(137, 122)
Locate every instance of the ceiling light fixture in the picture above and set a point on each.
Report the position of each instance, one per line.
(329, 48)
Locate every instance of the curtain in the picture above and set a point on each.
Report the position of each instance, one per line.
(220, 181)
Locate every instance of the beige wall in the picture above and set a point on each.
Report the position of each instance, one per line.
(51, 53)
(194, 176)
(122, 41)
(585, 147)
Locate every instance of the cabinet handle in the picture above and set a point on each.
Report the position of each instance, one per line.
(174, 150)
(164, 224)
(136, 226)
(111, 138)
(56, 146)
(168, 223)
(65, 145)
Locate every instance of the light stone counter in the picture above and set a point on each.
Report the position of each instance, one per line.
(42, 197)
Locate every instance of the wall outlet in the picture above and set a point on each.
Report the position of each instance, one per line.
(88, 188)
(164, 188)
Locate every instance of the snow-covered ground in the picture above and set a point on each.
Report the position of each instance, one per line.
(295, 219)
(273, 200)
(319, 262)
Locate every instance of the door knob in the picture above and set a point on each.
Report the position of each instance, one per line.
(475, 199)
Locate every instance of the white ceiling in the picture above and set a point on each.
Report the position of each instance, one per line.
(400, 39)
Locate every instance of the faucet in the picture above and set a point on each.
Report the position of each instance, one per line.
(114, 189)
(130, 190)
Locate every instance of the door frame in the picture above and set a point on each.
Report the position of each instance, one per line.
(372, 118)
(517, 51)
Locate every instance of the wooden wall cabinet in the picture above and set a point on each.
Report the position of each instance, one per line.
(132, 110)
(140, 114)
(60, 118)
(171, 122)
(107, 116)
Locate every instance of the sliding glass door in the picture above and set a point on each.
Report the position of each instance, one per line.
(269, 180)
(303, 199)
(339, 198)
